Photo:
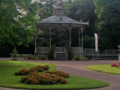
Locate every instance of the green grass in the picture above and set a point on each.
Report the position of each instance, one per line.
(8, 79)
(106, 68)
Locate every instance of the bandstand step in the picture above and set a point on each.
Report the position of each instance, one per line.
(60, 56)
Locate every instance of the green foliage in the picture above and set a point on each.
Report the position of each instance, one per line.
(70, 52)
(118, 46)
(82, 10)
(16, 27)
(50, 53)
(14, 55)
(108, 23)
(89, 41)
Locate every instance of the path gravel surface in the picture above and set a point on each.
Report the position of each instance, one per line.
(77, 68)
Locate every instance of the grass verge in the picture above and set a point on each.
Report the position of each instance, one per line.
(8, 79)
(106, 68)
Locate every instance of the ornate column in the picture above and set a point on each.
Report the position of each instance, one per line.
(35, 41)
(50, 35)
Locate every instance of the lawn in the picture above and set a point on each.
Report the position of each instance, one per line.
(106, 68)
(8, 79)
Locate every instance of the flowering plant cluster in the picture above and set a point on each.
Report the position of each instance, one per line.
(45, 79)
(115, 65)
(81, 58)
(59, 73)
(36, 58)
(38, 68)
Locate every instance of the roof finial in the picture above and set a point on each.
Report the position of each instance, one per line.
(59, 1)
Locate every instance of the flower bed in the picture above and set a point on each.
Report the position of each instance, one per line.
(49, 77)
(45, 79)
(38, 68)
(115, 65)
(36, 58)
(82, 58)
(59, 73)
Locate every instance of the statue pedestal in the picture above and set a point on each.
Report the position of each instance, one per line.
(119, 58)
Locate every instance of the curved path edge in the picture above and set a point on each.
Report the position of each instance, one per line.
(77, 68)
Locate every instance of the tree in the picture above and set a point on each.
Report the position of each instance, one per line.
(18, 19)
(82, 10)
(108, 23)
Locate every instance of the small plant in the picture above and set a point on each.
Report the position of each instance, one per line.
(14, 55)
(119, 46)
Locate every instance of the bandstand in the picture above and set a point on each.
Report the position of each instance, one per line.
(59, 21)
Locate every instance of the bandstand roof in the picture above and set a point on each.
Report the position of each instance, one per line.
(58, 17)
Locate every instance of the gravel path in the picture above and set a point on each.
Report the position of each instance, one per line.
(77, 68)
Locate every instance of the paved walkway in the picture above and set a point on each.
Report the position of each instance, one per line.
(77, 68)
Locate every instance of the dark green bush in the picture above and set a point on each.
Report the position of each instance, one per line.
(70, 52)
(50, 54)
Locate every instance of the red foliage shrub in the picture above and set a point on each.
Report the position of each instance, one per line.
(77, 59)
(59, 73)
(23, 79)
(34, 69)
(43, 58)
(32, 80)
(22, 72)
(45, 79)
(45, 67)
(38, 68)
(115, 65)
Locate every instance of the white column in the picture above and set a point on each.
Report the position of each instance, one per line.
(35, 42)
(70, 37)
(50, 36)
(79, 38)
(82, 38)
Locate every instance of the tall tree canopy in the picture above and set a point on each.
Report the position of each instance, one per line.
(17, 21)
(108, 23)
(82, 10)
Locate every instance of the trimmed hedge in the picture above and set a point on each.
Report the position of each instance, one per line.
(50, 54)
(70, 52)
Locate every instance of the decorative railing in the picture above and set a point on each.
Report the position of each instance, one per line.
(60, 49)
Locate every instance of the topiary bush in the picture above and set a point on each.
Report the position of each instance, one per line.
(50, 53)
(70, 52)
